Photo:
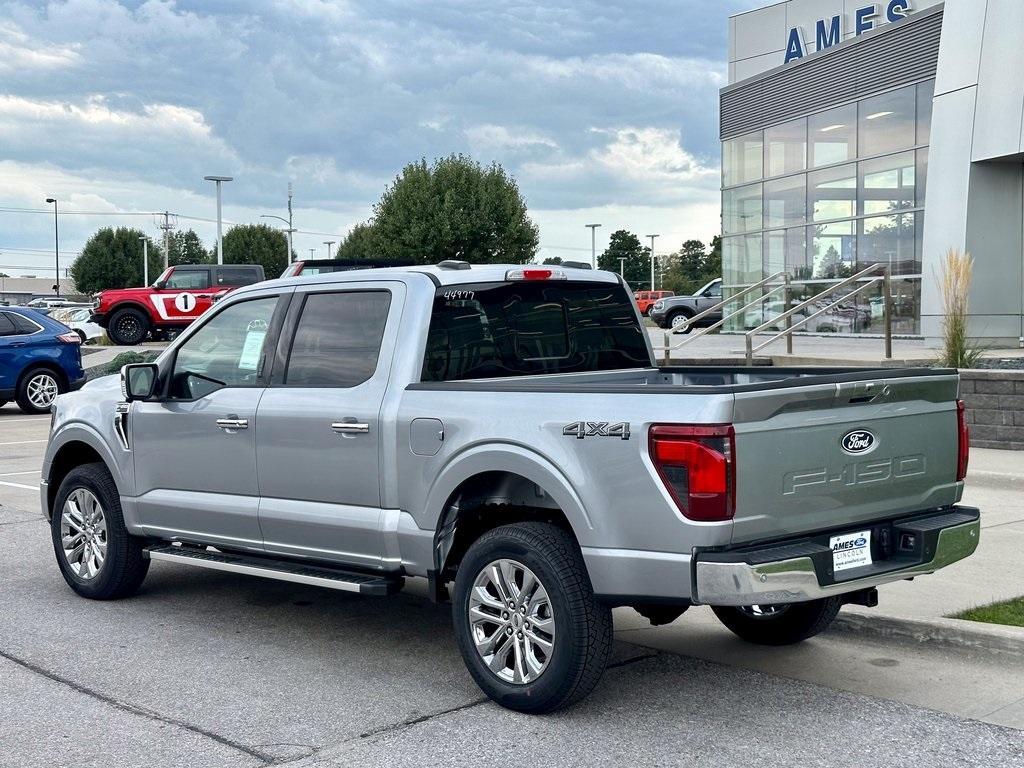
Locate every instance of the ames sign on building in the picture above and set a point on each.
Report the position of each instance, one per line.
(856, 133)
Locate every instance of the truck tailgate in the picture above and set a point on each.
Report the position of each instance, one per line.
(834, 455)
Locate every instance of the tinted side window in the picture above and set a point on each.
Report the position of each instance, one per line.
(22, 324)
(337, 340)
(237, 277)
(6, 324)
(190, 278)
(715, 291)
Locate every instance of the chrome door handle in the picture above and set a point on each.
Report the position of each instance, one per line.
(350, 428)
(233, 423)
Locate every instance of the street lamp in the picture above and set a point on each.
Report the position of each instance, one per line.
(145, 260)
(287, 231)
(220, 238)
(593, 243)
(652, 258)
(56, 247)
(329, 243)
(622, 267)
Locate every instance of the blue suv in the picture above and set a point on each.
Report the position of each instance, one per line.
(39, 359)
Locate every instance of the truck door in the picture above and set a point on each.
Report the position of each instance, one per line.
(195, 454)
(183, 295)
(321, 439)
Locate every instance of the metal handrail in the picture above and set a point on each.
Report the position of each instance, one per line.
(720, 305)
(788, 314)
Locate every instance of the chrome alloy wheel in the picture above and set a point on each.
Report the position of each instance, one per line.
(511, 621)
(764, 611)
(83, 533)
(42, 390)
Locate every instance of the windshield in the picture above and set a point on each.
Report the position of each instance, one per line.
(487, 330)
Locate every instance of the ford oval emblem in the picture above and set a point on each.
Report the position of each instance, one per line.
(858, 441)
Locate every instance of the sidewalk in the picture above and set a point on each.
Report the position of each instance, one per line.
(93, 357)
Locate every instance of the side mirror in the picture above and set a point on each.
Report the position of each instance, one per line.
(138, 381)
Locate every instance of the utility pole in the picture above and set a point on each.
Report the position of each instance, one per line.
(167, 226)
(145, 261)
(593, 243)
(56, 247)
(291, 227)
(652, 258)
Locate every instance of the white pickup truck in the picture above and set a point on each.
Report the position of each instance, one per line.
(506, 429)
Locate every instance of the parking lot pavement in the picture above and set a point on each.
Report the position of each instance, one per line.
(206, 668)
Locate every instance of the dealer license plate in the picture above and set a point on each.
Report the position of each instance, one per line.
(850, 550)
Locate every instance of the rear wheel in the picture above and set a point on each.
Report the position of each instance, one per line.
(38, 389)
(97, 556)
(677, 322)
(526, 621)
(128, 327)
(781, 624)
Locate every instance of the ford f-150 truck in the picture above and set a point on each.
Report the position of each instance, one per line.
(171, 303)
(506, 430)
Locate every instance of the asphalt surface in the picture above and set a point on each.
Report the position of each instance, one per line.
(211, 669)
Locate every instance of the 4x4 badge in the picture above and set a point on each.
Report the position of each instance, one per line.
(582, 429)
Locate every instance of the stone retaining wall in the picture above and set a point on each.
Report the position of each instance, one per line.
(995, 407)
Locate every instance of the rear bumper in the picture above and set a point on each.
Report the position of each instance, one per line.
(801, 570)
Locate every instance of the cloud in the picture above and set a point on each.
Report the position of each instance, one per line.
(589, 104)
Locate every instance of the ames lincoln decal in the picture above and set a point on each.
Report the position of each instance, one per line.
(829, 31)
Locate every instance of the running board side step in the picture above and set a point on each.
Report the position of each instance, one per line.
(373, 585)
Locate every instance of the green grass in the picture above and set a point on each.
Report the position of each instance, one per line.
(1010, 612)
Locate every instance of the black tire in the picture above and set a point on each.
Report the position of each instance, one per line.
(582, 639)
(123, 568)
(674, 316)
(128, 327)
(28, 389)
(784, 624)
(81, 335)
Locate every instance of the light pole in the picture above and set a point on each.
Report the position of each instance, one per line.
(288, 231)
(329, 243)
(56, 247)
(220, 237)
(145, 260)
(593, 243)
(622, 267)
(652, 258)
(311, 251)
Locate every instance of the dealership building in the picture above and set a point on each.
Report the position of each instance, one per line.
(856, 133)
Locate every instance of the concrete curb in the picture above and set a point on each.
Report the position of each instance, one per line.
(954, 633)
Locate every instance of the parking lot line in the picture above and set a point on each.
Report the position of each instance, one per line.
(21, 485)
(24, 442)
(11, 474)
(22, 421)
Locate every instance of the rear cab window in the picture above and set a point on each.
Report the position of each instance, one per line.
(488, 330)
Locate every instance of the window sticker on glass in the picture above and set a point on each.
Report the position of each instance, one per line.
(250, 356)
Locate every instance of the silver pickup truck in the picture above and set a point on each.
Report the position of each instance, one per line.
(506, 430)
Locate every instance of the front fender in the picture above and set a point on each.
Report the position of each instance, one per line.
(70, 433)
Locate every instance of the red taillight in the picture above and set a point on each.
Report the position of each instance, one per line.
(70, 338)
(963, 452)
(697, 465)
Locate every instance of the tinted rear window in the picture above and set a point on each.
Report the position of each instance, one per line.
(237, 277)
(489, 330)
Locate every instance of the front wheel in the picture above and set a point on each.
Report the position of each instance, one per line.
(679, 322)
(128, 327)
(526, 621)
(97, 556)
(781, 624)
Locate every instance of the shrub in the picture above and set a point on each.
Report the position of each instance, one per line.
(958, 351)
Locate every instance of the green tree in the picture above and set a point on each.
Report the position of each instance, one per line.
(454, 208)
(112, 258)
(555, 260)
(359, 243)
(685, 270)
(256, 244)
(186, 248)
(637, 265)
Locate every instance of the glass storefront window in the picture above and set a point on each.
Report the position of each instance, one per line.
(785, 148)
(922, 175)
(785, 202)
(832, 193)
(741, 259)
(887, 122)
(741, 209)
(889, 240)
(786, 250)
(742, 159)
(887, 183)
(925, 93)
(832, 249)
(833, 136)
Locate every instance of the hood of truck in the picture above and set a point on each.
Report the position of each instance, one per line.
(820, 457)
